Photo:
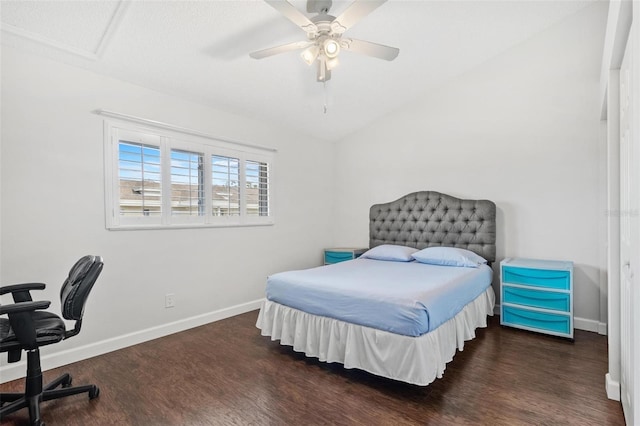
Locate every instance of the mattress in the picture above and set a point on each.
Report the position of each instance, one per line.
(406, 298)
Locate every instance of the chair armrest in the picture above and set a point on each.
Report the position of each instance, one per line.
(21, 292)
(24, 307)
(22, 322)
(21, 287)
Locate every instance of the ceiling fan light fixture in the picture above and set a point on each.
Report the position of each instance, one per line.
(331, 48)
(310, 54)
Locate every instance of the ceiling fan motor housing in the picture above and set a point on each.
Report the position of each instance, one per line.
(318, 6)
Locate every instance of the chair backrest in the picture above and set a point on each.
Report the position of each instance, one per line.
(78, 285)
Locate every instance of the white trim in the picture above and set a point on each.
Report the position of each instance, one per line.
(173, 128)
(45, 41)
(93, 55)
(589, 325)
(110, 166)
(612, 387)
(18, 370)
(618, 26)
(613, 226)
(190, 226)
(603, 328)
(112, 27)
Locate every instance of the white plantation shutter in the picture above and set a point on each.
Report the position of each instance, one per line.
(155, 180)
(139, 177)
(257, 178)
(225, 186)
(187, 183)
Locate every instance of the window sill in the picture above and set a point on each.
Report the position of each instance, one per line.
(187, 226)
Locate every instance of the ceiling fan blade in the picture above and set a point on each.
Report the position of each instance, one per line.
(279, 49)
(293, 14)
(380, 51)
(354, 13)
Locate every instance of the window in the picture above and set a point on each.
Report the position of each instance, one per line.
(157, 178)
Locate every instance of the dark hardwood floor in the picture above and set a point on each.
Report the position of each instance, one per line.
(225, 373)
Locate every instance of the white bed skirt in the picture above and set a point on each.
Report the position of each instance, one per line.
(415, 360)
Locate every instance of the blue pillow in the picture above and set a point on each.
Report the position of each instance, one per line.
(390, 252)
(449, 256)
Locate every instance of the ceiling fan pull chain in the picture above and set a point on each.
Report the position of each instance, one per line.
(326, 97)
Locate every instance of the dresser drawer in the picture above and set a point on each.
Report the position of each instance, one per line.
(543, 321)
(337, 256)
(547, 278)
(537, 298)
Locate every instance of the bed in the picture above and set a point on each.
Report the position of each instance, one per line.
(414, 315)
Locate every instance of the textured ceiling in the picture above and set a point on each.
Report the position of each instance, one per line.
(199, 50)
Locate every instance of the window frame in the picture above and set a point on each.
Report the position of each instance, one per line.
(169, 138)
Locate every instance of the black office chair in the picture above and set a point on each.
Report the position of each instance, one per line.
(28, 328)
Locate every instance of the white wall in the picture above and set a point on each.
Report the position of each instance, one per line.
(521, 130)
(53, 207)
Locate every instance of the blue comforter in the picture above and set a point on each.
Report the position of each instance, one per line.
(408, 298)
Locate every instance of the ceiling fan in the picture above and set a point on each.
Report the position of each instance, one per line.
(325, 34)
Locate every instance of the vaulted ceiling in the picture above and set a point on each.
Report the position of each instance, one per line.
(199, 50)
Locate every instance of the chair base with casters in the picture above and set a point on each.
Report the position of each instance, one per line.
(29, 327)
(35, 392)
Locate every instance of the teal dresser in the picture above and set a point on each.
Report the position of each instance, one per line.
(335, 255)
(537, 295)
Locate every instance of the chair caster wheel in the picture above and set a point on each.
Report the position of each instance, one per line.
(94, 392)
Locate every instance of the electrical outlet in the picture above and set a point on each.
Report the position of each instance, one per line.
(169, 300)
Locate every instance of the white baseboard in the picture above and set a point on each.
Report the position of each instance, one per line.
(53, 360)
(590, 325)
(612, 387)
(57, 359)
(496, 309)
(603, 328)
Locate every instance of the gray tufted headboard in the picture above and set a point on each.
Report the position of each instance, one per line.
(428, 218)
